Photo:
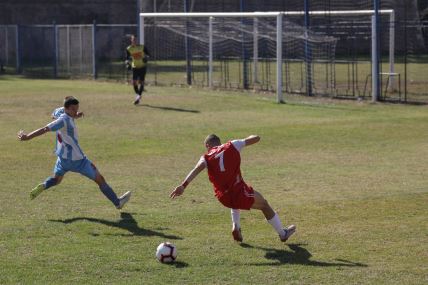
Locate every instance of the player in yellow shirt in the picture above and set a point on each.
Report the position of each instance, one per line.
(136, 59)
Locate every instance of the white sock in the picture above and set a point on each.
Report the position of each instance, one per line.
(236, 218)
(277, 225)
(138, 97)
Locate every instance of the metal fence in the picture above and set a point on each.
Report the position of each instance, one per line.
(65, 51)
(97, 51)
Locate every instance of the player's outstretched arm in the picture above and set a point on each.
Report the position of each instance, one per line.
(179, 190)
(22, 136)
(251, 140)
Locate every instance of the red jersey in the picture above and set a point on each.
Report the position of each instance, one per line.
(224, 167)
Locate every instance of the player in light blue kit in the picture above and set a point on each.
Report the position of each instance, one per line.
(70, 155)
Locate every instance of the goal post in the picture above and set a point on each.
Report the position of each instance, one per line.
(256, 35)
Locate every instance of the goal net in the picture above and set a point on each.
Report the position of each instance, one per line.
(260, 50)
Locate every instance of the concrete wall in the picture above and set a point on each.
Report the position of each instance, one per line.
(25, 12)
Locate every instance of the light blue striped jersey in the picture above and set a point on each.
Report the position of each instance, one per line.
(58, 112)
(55, 115)
(67, 144)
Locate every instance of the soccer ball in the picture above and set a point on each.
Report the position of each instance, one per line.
(166, 252)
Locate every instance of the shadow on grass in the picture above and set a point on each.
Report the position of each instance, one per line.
(169, 108)
(298, 255)
(127, 222)
(327, 105)
(177, 264)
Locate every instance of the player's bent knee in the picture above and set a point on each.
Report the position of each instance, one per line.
(99, 179)
(260, 204)
(52, 181)
(259, 201)
(58, 179)
(264, 205)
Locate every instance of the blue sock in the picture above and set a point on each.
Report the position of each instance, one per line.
(109, 193)
(49, 182)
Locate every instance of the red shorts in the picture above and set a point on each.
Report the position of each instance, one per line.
(241, 196)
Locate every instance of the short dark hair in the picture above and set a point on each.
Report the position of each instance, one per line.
(212, 140)
(70, 100)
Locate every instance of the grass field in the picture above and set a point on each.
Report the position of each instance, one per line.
(351, 175)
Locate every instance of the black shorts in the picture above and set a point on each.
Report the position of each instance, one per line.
(139, 73)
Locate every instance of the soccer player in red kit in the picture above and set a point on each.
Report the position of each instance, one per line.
(223, 162)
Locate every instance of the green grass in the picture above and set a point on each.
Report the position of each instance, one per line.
(351, 175)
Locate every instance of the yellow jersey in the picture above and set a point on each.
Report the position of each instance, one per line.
(137, 54)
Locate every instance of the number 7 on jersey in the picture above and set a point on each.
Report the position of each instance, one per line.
(221, 155)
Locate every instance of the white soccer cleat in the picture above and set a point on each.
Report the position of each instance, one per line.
(137, 100)
(123, 200)
(288, 232)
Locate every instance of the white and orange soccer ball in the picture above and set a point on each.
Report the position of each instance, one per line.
(166, 252)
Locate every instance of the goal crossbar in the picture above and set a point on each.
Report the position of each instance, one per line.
(264, 14)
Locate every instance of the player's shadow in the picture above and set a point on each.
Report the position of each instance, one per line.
(299, 255)
(126, 222)
(170, 108)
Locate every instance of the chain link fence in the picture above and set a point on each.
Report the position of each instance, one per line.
(8, 44)
(65, 51)
(98, 51)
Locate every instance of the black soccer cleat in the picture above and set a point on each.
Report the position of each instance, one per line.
(237, 235)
